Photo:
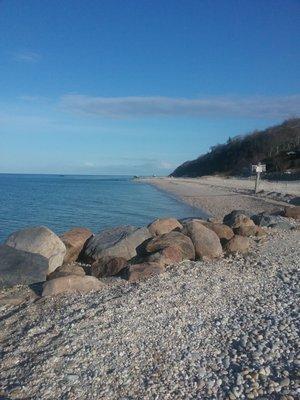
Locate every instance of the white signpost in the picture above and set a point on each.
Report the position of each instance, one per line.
(258, 169)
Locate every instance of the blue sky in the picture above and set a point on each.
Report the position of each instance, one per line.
(139, 86)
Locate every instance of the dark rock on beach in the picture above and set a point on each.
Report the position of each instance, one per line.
(264, 219)
(237, 217)
(20, 267)
(272, 221)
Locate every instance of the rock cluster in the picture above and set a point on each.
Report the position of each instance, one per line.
(78, 259)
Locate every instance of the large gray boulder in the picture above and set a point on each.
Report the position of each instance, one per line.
(264, 219)
(116, 242)
(273, 221)
(20, 267)
(39, 240)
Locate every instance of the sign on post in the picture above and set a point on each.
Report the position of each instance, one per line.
(258, 169)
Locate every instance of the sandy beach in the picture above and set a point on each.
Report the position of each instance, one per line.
(218, 196)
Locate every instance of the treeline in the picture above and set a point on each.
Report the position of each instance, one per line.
(278, 147)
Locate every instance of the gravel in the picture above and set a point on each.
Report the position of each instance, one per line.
(224, 329)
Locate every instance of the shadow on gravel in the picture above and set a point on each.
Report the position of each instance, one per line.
(37, 288)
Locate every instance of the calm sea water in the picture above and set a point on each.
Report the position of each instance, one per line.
(95, 202)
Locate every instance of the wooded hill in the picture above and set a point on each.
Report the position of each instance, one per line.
(278, 147)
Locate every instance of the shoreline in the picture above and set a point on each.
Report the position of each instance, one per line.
(216, 196)
(174, 305)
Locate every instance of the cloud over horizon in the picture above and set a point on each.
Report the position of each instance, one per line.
(211, 106)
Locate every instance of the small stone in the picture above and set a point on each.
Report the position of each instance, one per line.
(285, 382)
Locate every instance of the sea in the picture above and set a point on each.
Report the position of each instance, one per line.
(97, 202)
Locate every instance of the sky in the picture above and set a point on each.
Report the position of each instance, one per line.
(140, 86)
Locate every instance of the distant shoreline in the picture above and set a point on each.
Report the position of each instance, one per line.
(217, 196)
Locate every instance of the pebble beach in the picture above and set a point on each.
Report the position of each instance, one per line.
(210, 329)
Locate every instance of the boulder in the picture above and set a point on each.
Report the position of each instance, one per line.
(272, 221)
(236, 217)
(238, 244)
(108, 266)
(20, 267)
(206, 242)
(144, 270)
(169, 255)
(39, 240)
(239, 220)
(116, 242)
(74, 241)
(263, 219)
(292, 212)
(71, 283)
(165, 225)
(65, 270)
(250, 230)
(223, 231)
(173, 238)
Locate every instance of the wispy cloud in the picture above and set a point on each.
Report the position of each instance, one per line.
(128, 166)
(26, 56)
(119, 107)
(89, 164)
